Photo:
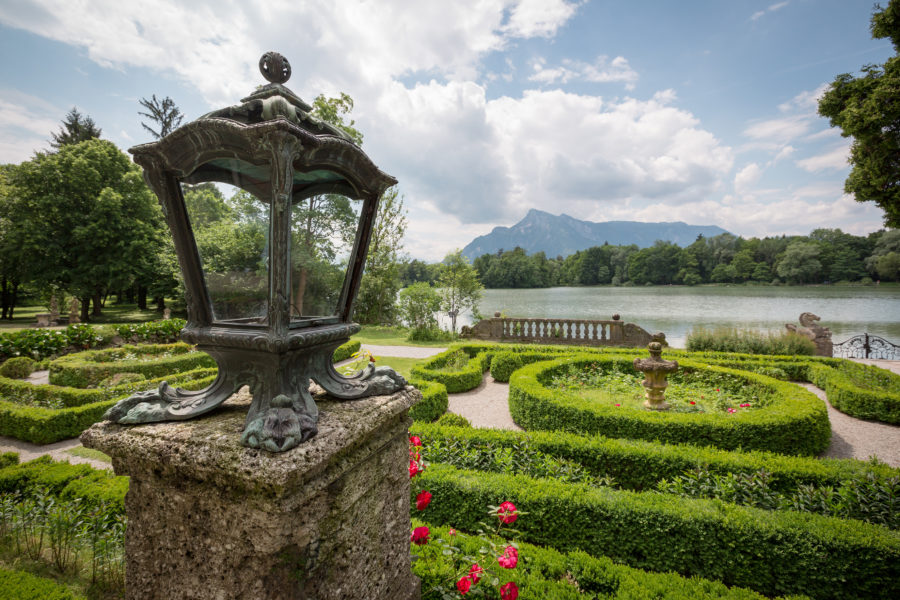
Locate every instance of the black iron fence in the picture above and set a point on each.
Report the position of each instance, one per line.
(867, 346)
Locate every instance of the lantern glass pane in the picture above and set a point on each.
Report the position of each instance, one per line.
(323, 229)
(230, 226)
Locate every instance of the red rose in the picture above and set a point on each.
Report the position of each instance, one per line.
(510, 591)
(451, 531)
(510, 558)
(414, 440)
(463, 585)
(422, 500)
(507, 513)
(414, 468)
(475, 572)
(419, 536)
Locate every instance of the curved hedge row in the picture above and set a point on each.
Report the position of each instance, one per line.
(345, 351)
(85, 369)
(850, 390)
(550, 574)
(66, 481)
(770, 552)
(639, 465)
(795, 422)
(463, 380)
(433, 404)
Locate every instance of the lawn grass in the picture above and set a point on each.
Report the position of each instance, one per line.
(403, 366)
(379, 335)
(25, 316)
(90, 453)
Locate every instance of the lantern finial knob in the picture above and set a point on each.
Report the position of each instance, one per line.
(274, 67)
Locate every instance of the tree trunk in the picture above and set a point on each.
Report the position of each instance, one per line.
(85, 309)
(160, 303)
(13, 297)
(129, 295)
(4, 297)
(97, 305)
(299, 292)
(142, 298)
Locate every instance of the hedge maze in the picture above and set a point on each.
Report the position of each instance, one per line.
(597, 481)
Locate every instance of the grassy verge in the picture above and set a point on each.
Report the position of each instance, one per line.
(391, 336)
(25, 316)
(90, 453)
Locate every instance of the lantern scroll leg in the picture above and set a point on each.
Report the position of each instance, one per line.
(371, 381)
(168, 404)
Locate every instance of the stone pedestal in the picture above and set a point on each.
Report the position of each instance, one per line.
(210, 519)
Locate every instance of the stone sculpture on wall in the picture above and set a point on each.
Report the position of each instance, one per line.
(821, 336)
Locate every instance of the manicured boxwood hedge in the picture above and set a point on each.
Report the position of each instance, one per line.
(770, 552)
(545, 574)
(638, 465)
(85, 369)
(46, 425)
(433, 403)
(796, 421)
(862, 391)
(467, 378)
(68, 481)
(345, 351)
(19, 585)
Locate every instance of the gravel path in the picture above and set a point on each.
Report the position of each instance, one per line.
(56, 450)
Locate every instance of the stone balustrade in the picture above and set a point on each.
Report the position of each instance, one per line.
(577, 332)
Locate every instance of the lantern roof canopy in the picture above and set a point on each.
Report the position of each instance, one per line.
(226, 141)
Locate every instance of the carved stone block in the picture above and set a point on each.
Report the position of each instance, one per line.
(209, 518)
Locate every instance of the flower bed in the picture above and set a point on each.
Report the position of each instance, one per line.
(466, 377)
(793, 422)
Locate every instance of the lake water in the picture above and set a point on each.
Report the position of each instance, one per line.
(675, 310)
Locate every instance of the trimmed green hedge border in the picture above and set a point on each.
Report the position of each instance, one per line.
(773, 553)
(85, 369)
(846, 392)
(467, 378)
(545, 573)
(638, 465)
(796, 421)
(19, 585)
(65, 480)
(434, 401)
(46, 425)
(345, 351)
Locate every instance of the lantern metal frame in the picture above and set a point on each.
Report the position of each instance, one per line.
(276, 357)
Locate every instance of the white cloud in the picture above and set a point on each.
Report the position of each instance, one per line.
(806, 101)
(769, 9)
(832, 160)
(601, 71)
(746, 177)
(780, 130)
(26, 123)
(539, 18)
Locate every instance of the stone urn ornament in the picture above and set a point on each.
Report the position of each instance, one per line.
(655, 370)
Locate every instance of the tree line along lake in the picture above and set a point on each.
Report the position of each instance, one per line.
(675, 310)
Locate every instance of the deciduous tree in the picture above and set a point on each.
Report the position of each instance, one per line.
(458, 286)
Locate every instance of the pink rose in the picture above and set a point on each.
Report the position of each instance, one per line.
(618, 405)
(419, 536)
(463, 585)
(731, 410)
(422, 500)
(509, 591)
(745, 405)
(451, 531)
(414, 468)
(510, 558)
(507, 513)
(475, 573)
(414, 440)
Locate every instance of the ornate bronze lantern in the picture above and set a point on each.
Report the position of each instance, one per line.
(270, 325)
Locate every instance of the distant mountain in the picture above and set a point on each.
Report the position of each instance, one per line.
(564, 235)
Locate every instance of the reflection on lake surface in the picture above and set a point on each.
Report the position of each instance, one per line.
(675, 310)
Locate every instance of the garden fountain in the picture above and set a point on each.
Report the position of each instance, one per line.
(655, 370)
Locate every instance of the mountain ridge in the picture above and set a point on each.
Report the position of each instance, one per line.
(562, 235)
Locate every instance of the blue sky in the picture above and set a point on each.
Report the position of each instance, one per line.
(695, 111)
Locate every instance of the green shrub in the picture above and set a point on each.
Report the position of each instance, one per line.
(639, 465)
(748, 341)
(770, 552)
(19, 367)
(163, 331)
(548, 574)
(35, 343)
(8, 458)
(19, 585)
(94, 486)
(449, 419)
(433, 403)
(85, 369)
(429, 334)
(861, 391)
(120, 379)
(464, 378)
(794, 422)
(345, 351)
